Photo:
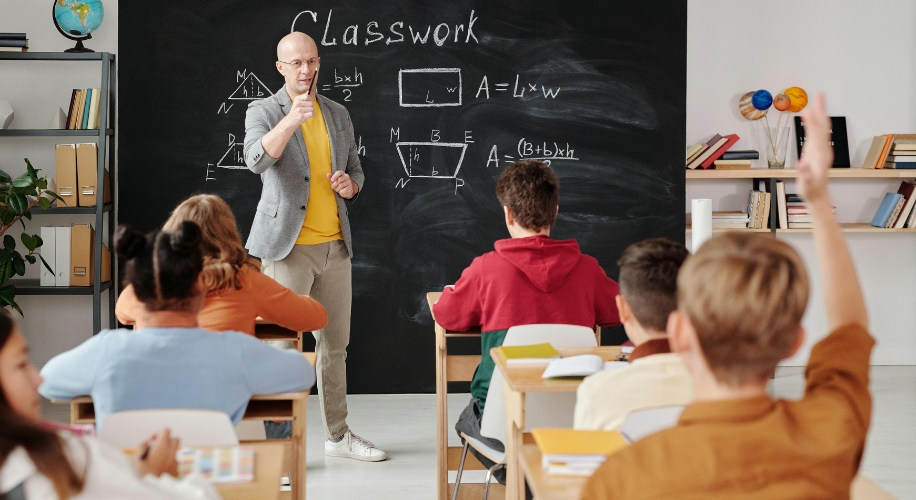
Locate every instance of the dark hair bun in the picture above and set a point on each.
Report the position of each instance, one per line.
(185, 239)
(129, 242)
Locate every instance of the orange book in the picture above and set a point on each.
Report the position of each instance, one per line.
(887, 147)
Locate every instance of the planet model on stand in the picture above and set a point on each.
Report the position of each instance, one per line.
(747, 108)
(77, 20)
(781, 102)
(762, 100)
(798, 98)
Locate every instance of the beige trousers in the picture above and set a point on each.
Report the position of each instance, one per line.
(323, 272)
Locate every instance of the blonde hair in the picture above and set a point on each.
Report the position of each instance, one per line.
(745, 295)
(223, 252)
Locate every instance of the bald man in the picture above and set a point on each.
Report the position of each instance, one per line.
(302, 145)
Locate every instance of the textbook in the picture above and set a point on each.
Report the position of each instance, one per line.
(886, 209)
(569, 452)
(574, 366)
(528, 354)
(228, 464)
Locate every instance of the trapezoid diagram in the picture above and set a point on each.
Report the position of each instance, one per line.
(431, 160)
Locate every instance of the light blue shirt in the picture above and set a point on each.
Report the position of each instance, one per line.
(173, 368)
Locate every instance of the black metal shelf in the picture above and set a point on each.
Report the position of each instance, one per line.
(71, 210)
(57, 56)
(31, 287)
(23, 132)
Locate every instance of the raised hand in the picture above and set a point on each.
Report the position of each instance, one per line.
(817, 154)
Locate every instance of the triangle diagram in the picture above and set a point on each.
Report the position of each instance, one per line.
(234, 158)
(252, 88)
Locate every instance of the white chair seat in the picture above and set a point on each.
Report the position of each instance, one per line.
(498, 457)
(641, 423)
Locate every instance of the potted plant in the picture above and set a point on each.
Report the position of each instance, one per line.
(17, 198)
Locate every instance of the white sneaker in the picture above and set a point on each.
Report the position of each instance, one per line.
(355, 447)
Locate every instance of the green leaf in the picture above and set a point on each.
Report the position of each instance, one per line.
(44, 203)
(7, 294)
(28, 215)
(30, 170)
(9, 242)
(38, 241)
(24, 181)
(6, 270)
(6, 217)
(55, 195)
(31, 259)
(19, 265)
(29, 241)
(47, 266)
(18, 203)
(18, 309)
(5, 177)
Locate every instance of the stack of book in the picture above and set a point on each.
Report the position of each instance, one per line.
(13, 42)
(704, 155)
(758, 209)
(797, 213)
(891, 151)
(568, 452)
(736, 160)
(896, 210)
(84, 109)
(729, 220)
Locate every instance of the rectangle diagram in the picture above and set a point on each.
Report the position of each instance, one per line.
(429, 87)
(436, 160)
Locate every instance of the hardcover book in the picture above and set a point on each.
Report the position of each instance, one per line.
(838, 139)
(885, 210)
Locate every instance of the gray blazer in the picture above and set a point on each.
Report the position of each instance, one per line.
(285, 190)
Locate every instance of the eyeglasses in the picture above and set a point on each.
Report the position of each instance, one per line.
(313, 62)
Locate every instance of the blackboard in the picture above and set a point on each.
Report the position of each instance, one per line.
(598, 88)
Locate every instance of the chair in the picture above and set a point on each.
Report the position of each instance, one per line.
(127, 429)
(641, 423)
(543, 410)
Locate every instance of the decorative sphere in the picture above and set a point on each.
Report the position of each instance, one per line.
(78, 18)
(762, 100)
(798, 98)
(747, 109)
(781, 102)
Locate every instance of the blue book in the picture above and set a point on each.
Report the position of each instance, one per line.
(85, 123)
(886, 209)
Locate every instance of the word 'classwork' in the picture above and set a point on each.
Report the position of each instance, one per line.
(438, 35)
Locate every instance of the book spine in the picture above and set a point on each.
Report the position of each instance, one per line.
(13, 43)
(12, 36)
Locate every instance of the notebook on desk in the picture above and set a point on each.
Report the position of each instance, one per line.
(227, 464)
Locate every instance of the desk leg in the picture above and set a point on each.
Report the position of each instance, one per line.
(515, 425)
(441, 416)
(297, 470)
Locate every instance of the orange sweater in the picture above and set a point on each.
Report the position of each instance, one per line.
(236, 310)
(758, 448)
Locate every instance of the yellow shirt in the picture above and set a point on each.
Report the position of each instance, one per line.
(322, 222)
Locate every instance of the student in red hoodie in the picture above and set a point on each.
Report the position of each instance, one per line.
(528, 279)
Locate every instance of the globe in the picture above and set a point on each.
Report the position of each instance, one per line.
(78, 19)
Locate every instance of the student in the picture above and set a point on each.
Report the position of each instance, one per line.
(741, 299)
(528, 279)
(37, 463)
(656, 376)
(237, 292)
(171, 362)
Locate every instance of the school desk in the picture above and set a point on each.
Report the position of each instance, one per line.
(268, 467)
(520, 380)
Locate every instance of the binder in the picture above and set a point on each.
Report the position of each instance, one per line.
(62, 256)
(47, 251)
(65, 161)
(82, 261)
(87, 163)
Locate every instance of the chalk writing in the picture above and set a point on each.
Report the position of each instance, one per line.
(345, 82)
(442, 33)
(518, 90)
(547, 152)
(429, 87)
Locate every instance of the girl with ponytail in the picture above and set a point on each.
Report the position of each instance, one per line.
(39, 463)
(237, 292)
(170, 361)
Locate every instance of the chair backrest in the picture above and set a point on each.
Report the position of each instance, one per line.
(541, 409)
(127, 429)
(641, 423)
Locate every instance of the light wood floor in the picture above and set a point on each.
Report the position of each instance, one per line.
(404, 426)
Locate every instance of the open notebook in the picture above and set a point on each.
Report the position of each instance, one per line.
(227, 464)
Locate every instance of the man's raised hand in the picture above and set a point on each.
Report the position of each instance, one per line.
(303, 108)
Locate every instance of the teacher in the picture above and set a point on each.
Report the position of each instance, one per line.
(302, 145)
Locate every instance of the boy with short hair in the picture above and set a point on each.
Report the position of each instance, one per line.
(655, 376)
(528, 279)
(741, 298)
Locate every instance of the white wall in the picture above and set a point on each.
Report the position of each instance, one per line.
(35, 90)
(862, 55)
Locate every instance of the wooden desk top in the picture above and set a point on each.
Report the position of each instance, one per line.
(268, 467)
(528, 378)
(544, 486)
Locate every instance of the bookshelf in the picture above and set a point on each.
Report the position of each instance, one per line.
(105, 136)
(772, 175)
